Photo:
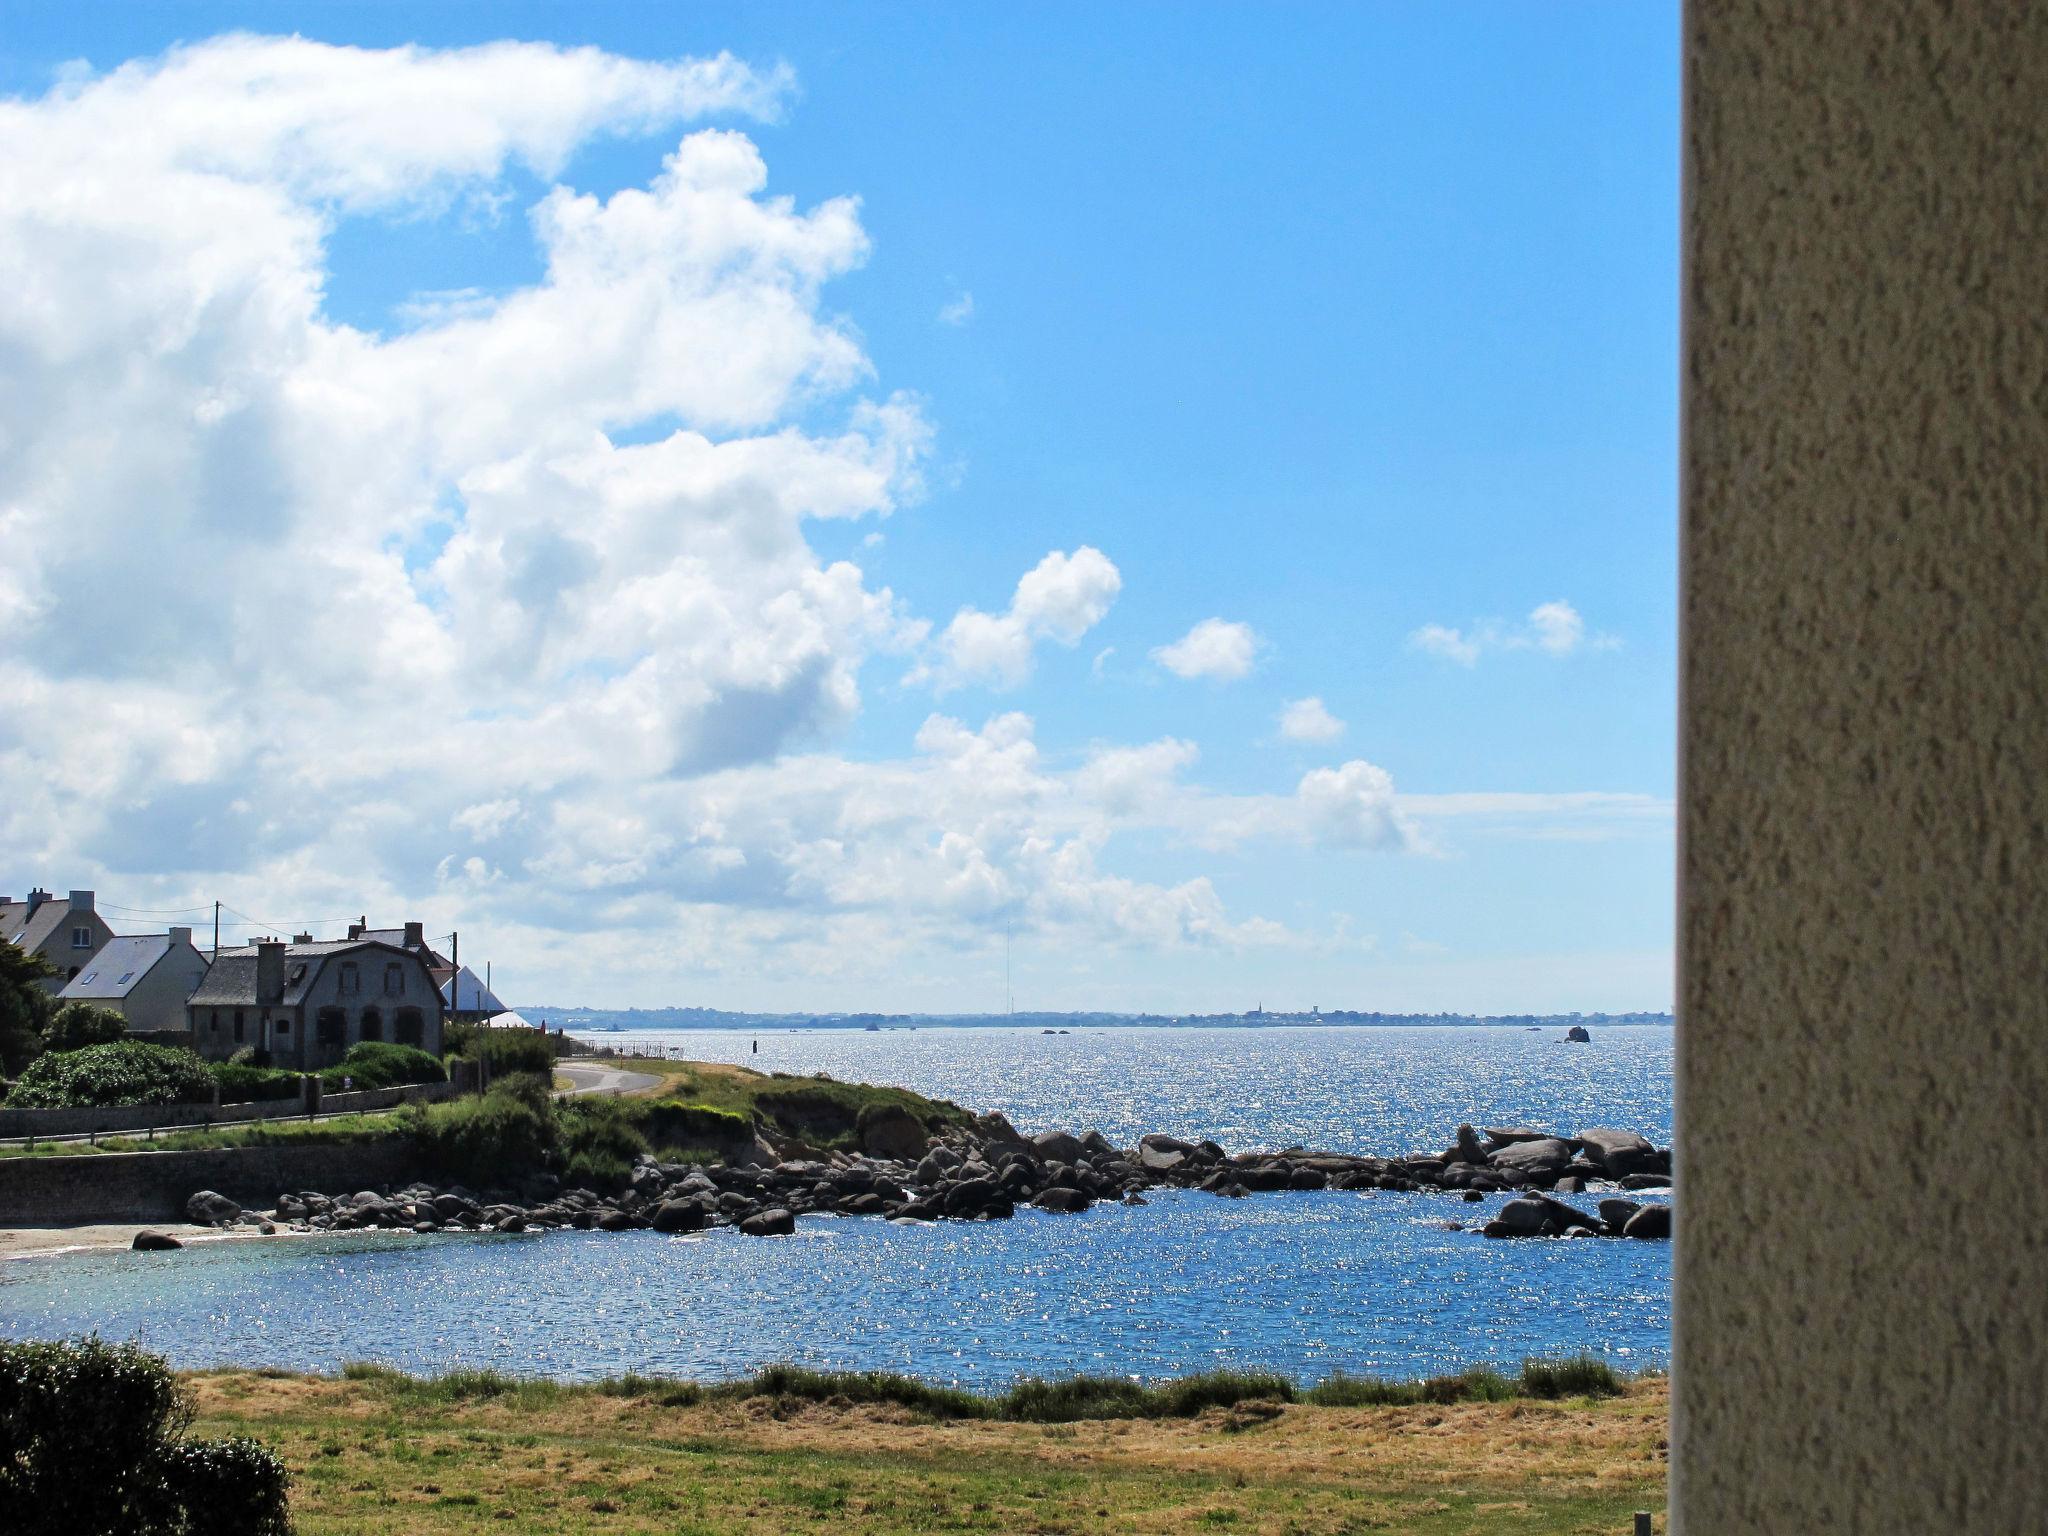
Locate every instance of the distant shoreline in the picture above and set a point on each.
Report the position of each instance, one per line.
(586, 1019)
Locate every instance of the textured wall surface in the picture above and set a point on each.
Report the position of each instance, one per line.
(153, 1186)
(1862, 1307)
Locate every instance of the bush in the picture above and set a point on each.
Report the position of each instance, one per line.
(91, 1440)
(376, 1064)
(505, 1051)
(77, 1025)
(599, 1141)
(126, 1072)
(243, 1084)
(506, 1134)
(1581, 1376)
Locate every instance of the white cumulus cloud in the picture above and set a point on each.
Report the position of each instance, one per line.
(1555, 628)
(1216, 648)
(1060, 599)
(1309, 720)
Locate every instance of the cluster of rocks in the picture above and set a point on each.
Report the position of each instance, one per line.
(983, 1171)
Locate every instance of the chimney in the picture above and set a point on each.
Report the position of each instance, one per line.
(81, 901)
(36, 898)
(180, 936)
(302, 938)
(269, 971)
(415, 935)
(356, 928)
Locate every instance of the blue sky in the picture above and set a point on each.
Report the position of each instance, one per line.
(1337, 322)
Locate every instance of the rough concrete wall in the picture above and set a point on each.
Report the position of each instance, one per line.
(154, 1186)
(1862, 1294)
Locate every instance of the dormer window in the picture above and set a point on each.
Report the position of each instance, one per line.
(351, 979)
(298, 973)
(394, 980)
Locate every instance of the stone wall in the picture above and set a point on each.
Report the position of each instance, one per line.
(18, 1123)
(1861, 1309)
(153, 1186)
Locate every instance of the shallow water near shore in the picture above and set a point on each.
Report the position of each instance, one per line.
(1304, 1283)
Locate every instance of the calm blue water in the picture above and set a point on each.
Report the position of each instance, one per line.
(1303, 1283)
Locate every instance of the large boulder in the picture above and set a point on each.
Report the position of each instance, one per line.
(1156, 1158)
(1578, 1035)
(1652, 1221)
(775, 1223)
(995, 1129)
(1615, 1212)
(1058, 1147)
(1544, 1155)
(889, 1130)
(1062, 1200)
(1619, 1153)
(1521, 1218)
(208, 1209)
(155, 1242)
(971, 1197)
(1469, 1148)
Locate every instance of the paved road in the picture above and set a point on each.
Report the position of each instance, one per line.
(595, 1077)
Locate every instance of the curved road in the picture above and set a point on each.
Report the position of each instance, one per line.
(595, 1077)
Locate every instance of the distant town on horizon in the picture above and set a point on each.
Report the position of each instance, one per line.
(602, 1019)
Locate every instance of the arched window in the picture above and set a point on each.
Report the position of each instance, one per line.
(407, 1026)
(373, 1025)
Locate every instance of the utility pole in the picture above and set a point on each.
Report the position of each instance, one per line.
(454, 971)
(216, 931)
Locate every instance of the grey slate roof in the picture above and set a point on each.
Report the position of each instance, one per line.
(118, 967)
(231, 979)
(18, 927)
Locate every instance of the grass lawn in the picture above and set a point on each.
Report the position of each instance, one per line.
(254, 1133)
(379, 1454)
(819, 1109)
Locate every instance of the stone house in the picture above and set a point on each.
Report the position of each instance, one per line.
(307, 1003)
(65, 933)
(144, 977)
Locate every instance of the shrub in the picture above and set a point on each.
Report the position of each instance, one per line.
(377, 1064)
(1581, 1376)
(243, 1084)
(505, 1051)
(77, 1025)
(91, 1440)
(126, 1072)
(669, 1124)
(231, 1487)
(506, 1134)
(599, 1141)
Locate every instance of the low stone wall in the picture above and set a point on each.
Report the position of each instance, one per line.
(18, 1123)
(153, 1186)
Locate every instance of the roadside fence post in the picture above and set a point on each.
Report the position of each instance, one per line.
(1642, 1522)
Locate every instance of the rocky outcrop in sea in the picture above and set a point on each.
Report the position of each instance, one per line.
(985, 1170)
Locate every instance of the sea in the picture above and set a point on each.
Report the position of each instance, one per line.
(1307, 1283)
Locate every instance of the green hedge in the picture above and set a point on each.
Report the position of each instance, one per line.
(92, 1441)
(374, 1064)
(507, 1050)
(125, 1072)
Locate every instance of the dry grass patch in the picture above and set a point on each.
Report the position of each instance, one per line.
(368, 1456)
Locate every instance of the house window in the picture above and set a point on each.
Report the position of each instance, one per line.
(213, 1021)
(407, 1026)
(81, 938)
(238, 1024)
(332, 1024)
(88, 976)
(351, 979)
(373, 1024)
(394, 980)
(126, 976)
(284, 1026)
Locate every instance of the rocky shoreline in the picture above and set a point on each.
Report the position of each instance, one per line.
(984, 1170)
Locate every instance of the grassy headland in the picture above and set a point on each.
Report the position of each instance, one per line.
(380, 1452)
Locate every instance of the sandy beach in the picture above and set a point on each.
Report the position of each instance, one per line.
(27, 1242)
